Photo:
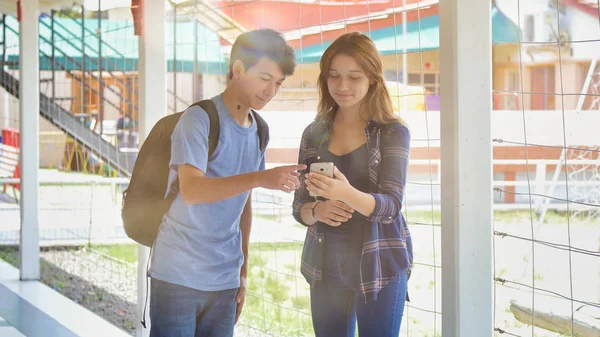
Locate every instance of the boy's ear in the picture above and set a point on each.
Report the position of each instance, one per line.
(238, 69)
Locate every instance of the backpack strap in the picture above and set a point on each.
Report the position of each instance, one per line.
(215, 126)
(213, 138)
(263, 131)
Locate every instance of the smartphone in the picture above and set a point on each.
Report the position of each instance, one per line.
(324, 168)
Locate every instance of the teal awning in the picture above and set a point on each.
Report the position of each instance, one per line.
(120, 50)
(422, 35)
(504, 30)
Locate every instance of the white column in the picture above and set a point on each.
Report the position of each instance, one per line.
(153, 106)
(466, 157)
(29, 94)
(404, 56)
(5, 108)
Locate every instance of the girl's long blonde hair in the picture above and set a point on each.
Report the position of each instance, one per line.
(377, 101)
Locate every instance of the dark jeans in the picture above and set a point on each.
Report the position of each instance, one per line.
(337, 303)
(178, 311)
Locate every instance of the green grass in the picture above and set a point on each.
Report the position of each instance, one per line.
(552, 217)
(279, 303)
(271, 303)
(272, 246)
(520, 216)
(435, 217)
(272, 217)
(129, 252)
(10, 255)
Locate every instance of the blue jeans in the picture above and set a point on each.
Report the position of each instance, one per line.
(177, 311)
(337, 303)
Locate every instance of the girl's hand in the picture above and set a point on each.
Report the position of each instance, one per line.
(333, 212)
(336, 188)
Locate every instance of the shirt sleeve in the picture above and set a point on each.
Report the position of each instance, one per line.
(189, 141)
(301, 195)
(262, 165)
(392, 176)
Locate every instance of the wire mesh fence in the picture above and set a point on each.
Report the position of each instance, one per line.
(546, 163)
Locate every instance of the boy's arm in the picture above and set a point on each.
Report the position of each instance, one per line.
(245, 227)
(195, 188)
(189, 157)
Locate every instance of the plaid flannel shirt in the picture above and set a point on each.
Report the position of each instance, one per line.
(387, 246)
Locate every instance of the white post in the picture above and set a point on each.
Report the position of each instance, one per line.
(5, 108)
(29, 94)
(6, 97)
(404, 58)
(153, 106)
(540, 186)
(466, 159)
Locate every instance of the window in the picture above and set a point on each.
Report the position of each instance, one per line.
(430, 81)
(543, 88)
(512, 81)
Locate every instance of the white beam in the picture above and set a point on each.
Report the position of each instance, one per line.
(29, 94)
(466, 159)
(153, 106)
(8, 7)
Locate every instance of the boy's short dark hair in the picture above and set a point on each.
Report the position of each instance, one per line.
(250, 46)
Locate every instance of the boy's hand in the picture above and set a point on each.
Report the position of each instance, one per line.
(240, 298)
(283, 178)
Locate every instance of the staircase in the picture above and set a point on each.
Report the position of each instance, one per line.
(211, 17)
(91, 58)
(71, 126)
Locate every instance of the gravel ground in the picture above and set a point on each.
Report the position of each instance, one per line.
(100, 284)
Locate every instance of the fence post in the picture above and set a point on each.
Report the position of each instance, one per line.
(540, 187)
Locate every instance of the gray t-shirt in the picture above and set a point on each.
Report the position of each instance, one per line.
(200, 246)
